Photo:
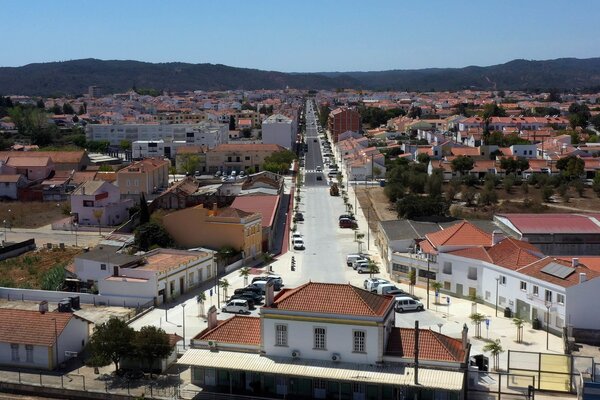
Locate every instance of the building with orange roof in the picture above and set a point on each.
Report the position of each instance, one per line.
(306, 334)
(217, 228)
(239, 157)
(146, 176)
(341, 120)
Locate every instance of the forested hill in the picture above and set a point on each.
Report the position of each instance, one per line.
(74, 77)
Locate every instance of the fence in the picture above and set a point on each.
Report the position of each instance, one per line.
(552, 372)
(499, 385)
(86, 298)
(85, 386)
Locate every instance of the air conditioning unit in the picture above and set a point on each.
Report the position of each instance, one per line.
(295, 353)
(212, 344)
(335, 357)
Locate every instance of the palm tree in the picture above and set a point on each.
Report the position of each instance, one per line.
(477, 319)
(357, 237)
(245, 272)
(436, 286)
(519, 322)
(224, 284)
(494, 348)
(201, 298)
(373, 268)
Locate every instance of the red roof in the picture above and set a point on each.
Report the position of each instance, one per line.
(238, 329)
(31, 327)
(535, 270)
(332, 298)
(462, 234)
(266, 205)
(432, 345)
(555, 223)
(248, 147)
(509, 253)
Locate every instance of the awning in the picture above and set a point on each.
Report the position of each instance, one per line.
(328, 370)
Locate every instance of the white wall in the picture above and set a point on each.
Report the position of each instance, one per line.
(339, 339)
(40, 356)
(278, 132)
(73, 338)
(580, 311)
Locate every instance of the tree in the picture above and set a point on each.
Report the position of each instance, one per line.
(279, 161)
(144, 211)
(547, 193)
(519, 322)
(492, 110)
(231, 123)
(151, 344)
(436, 286)
(81, 110)
(224, 284)
(468, 196)
(200, 299)
(373, 268)
(110, 342)
(508, 183)
(412, 281)
(125, 145)
(98, 215)
(358, 236)
(434, 183)
(579, 114)
(56, 109)
(595, 121)
(423, 158)
(68, 109)
(414, 112)
(571, 167)
(477, 319)
(411, 206)
(189, 163)
(54, 278)
(152, 235)
(40, 104)
(494, 348)
(462, 164)
(245, 273)
(514, 165)
(596, 183)
(487, 196)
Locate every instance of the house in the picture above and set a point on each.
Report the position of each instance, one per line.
(34, 168)
(146, 176)
(61, 160)
(279, 129)
(239, 157)
(99, 203)
(341, 120)
(307, 344)
(179, 195)
(10, 184)
(40, 339)
(145, 276)
(217, 228)
(269, 208)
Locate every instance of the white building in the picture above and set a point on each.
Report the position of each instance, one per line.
(308, 344)
(40, 340)
(202, 133)
(279, 129)
(99, 202)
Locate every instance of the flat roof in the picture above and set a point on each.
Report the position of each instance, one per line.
(387, 374)
(162, 260)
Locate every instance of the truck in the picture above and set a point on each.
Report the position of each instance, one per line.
(334, 190)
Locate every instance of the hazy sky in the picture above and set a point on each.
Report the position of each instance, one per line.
(300, 35)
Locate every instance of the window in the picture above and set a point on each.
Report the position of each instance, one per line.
(447, 269)
(536, 290)
(319, 339)
(29, 353)
(502, 280)
(524, 286)
(14, 350)
(281, 335)
(400, 268)
(548, 295)
(88, 203)
(502, 300)
(103, 267)
(560, 298)
(247, 158)
(472, 274)
(359, 341)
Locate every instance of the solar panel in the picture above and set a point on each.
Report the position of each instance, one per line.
(558, 270)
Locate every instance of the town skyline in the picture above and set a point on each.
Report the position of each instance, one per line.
(305, 38)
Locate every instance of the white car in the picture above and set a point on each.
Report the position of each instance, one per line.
(296, 235)
(298, 244)
(372, 283)
(238, 306)
(319, 168)
(404, 303)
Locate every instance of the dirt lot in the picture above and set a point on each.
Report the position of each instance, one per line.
(32, 214)
(27, 270)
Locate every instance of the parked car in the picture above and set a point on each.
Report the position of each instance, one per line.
(347, 216)
(296, 235)
(277, 281)
(298, 244)
(257, 298)
(239, 296)
(385, 288)
(362, 267)
(319, 168)
(408, 304)
(350, 258)
(347, 223)
(238, 306)
(258, 289)
(298, 216)
(319, 177)
(372, 283)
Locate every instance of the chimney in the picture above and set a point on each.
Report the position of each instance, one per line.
(416, 352)
(497, 237)
(574, 262)
(465, 336)
(215, 208)
(269, 294)
(212, 317)
(43, 307)
(582, 277)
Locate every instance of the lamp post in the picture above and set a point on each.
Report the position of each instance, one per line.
(428, 281)
(183, 309)
(4, 222)
(497, 282)
(76, 229)
(368, 229)
(548, 304)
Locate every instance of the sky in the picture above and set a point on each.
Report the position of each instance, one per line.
(300, 35)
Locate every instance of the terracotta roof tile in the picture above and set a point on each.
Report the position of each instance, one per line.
(325, 298)
(432, 345)
(31, 327)
(238, 329)
(265, 205)
(461, 234)
(535, 270)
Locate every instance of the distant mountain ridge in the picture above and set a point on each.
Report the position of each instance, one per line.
(74, 77)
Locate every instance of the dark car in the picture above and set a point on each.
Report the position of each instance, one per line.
(298, 217)
(346, 216)
(250, 288)
(319, 177)
(249, 295)
(347, 223)
(251, 303)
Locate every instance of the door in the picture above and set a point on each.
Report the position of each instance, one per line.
(181, 285)
(523, 310)
(459, 289)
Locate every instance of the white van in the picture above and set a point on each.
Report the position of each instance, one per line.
(386, 288)
(404, 303)
(350, 258)
(238, 306)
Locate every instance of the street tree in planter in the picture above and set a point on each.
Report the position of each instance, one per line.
(494, 348)
(200, 299)
(477, 319)
(412, 281)
(244, 273)
(519, 323)
(224, 284)
(436, 286)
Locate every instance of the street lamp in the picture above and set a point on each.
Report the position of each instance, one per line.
(428, 281)
(497, 282)
(76, 229)
(4, 222)
(183, 308)
(548, 304)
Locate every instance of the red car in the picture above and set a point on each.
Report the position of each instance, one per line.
(347, 223)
